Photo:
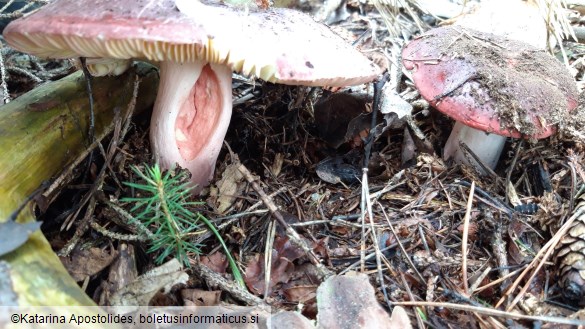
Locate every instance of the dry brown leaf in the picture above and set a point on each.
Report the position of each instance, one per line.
(349, 301)
(88, 262)
(281, 271)
(286, 249)
(300, 294)
(198, 297)
(216, 262)
(230, 186)
(121, 273)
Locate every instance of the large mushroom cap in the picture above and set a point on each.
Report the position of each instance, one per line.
(276, 45)
(491, 83)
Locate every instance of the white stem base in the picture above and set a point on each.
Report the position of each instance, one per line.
(488, 147)
(204, 113)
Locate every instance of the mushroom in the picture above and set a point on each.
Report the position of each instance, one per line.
(492, 86)
(197, 50)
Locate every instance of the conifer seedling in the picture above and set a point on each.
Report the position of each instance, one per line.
(163, 206)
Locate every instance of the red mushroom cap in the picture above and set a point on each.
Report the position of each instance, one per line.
(491, 83)
(276, 45)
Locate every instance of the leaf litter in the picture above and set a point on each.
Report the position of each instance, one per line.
(421, 205)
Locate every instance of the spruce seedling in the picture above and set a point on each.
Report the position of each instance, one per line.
(163, 206)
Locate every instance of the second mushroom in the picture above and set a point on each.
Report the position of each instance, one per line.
(198, 46)
(492, 86)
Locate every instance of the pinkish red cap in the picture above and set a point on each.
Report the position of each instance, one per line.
(491, 83)
(277, 45)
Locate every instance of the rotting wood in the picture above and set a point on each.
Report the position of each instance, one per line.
(41, 133)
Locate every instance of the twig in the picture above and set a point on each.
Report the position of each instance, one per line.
(268, 257)
(3, 83)
(502, 280)
(465, 238)
(404, 253)
(541, 258)
(500, 253)
(26, 73)
(97, 185)
(496, 203)
(511, 168)
(228, 220)
(117, 236)
(370, 256)
(494, 312)
(394, 182)
(19, 12)
(88, 78)
(292, 234)
(367, 208)
(469, 154)
(214, 279)
(142, 230)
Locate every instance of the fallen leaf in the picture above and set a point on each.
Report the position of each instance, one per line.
(276, 166)
(289, 320)
(199, 297)
(399, 319)
(88, 262)
(15, 234)
(394, 107)
(236, 235)
(281, 271)
(230, 186)
(408, 153)
(286, 249)
(301, 294)
(320, 248)
(216, 262)
(349, 301)
(122, 272)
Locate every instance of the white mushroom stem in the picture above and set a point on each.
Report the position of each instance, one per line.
(191, 116)
(487, 147)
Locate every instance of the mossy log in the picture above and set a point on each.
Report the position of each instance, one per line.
(41, 133)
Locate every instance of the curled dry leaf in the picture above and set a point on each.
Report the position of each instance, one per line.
(88, 262)
(122, 272)
(280, 272)
(198, 297)
(346, 301)
(18, 234)
(282, 267)
(300, 294)
(230, 187)
(351, 299)
(216, 262)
